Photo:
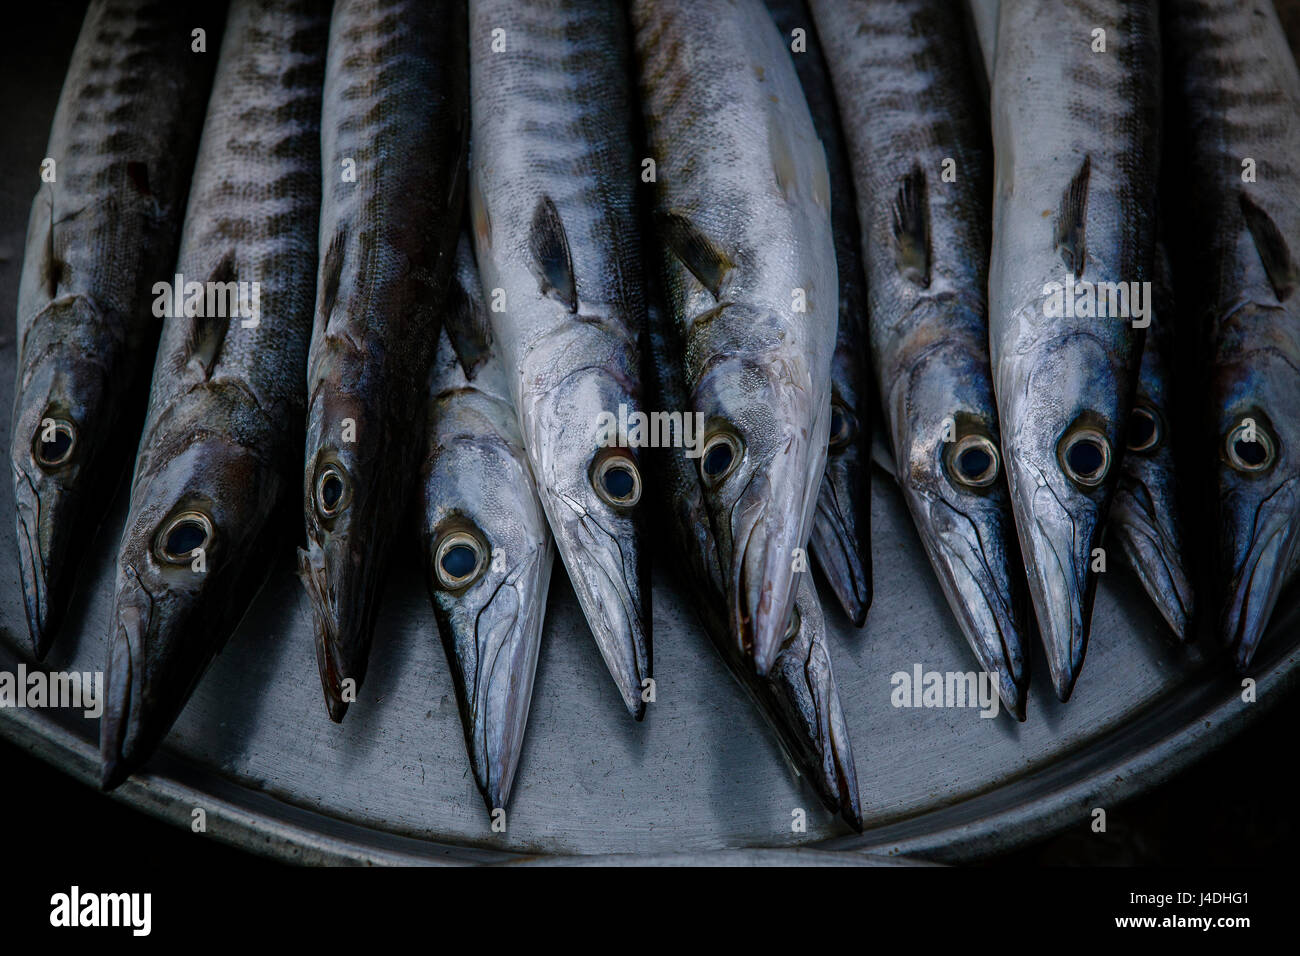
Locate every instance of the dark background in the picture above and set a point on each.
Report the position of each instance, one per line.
(1236, 807)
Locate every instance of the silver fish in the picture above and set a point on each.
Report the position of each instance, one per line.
(393, 138)
(1144, 518)
(1239, 95)
(1075, 167)
(218, 458)
(102, 232)
(798, 697)
(552, 203)
(910, 108)
(486, 541)
(743, 209)
(841, 533)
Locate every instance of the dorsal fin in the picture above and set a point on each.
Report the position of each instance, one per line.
(331, 271)
(208, 332)
(911, 220)
(1071, 219)
(1271, 245)
(466, 321)
(550, 248)
(696, 251)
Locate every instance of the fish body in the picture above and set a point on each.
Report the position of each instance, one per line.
(218, 456)
(1075, 135)
(742, 207)
(553, 178)
(486, 542)
(911, 109)
(1144, 518)
(102, 231)
(393, 152)
(841, 532)
(1238, 89)
(798, 697)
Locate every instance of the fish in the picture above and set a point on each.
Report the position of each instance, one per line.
(553, 208)
(1076, 163)
(103, 230)
(841, 532)
(394, 148)
(742, 212)
(217, 461)
(1236, 128)
(918, 146)
(1145, 515)
(798, 698)
(487, 545)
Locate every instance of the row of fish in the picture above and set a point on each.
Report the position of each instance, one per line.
(475, 229)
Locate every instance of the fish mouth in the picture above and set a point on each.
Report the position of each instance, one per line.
(838, 541)
(342, 636)
(47, 514)
(495, 696)
(615, 603)
(1151, 548)
(1258, 581)
(805, 684)
(983, 600)
(123, 746)
(1057, 547)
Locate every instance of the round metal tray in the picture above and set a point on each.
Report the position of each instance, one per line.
(700, 780)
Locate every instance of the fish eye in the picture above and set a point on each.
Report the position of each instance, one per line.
(178, 538)
(1084, 455)
(331, 491)
(459, 560)
(617, 480)
(722, 451)
(1250, 447)
(973, 461)
(54, 442)
(1144, 429)
(843, 427)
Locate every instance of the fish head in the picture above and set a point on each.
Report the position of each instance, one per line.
(949, 465)
(344, 502)
(1258, 492)
(489, 558)
(761, 459)
(58, 431)
(1061, 437)
(590, 481)
(186, 568)
(841, 532)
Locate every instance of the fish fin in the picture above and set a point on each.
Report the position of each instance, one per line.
(549, 245)
(1071, 219)
(51, 266)
(1271, 245)
(208, 332)
(466, 319)
(911, 221)
(696, 251)
(331, 271)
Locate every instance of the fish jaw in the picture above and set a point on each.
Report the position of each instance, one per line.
(602, 545)
(762, 510)
(840, 533)
(57, 383)
(170, 620)
(1058, 522)
(1144, 527)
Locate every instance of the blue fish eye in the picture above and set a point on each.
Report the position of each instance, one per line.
(973, 462)
(459, 561)
(619, 482)
(1143, 430)
(58, 449)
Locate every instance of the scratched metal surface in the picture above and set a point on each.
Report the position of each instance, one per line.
(391, 785)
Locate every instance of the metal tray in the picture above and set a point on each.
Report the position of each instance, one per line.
(699, 781)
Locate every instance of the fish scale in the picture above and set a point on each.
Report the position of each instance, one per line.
(395, 106)
(123, 140)
(903, 72)
(1239, 98)
(218, 455)
(552, 205)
